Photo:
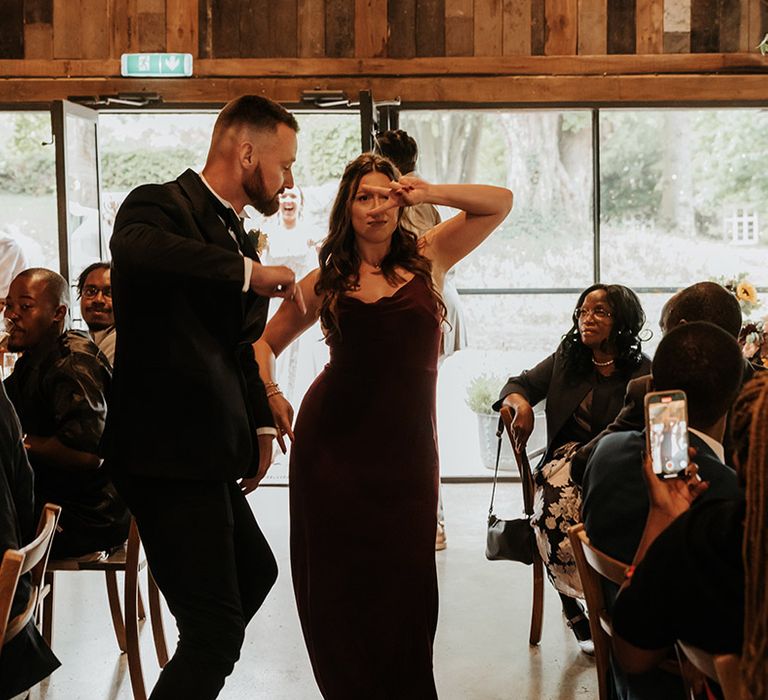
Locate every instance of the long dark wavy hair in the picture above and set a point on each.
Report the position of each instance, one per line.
(625, 337)
(339, 258)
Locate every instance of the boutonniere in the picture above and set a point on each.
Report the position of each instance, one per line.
(259, 239)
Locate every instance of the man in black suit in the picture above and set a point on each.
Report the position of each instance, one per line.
(704, 301)
(189, 431)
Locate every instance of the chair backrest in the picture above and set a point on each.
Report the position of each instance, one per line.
(523, 465)
(29, 559)
(592, 564)
(723, 668)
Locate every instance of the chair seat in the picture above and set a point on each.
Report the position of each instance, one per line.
(116, 561)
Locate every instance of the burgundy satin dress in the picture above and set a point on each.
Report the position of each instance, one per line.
(364, 477)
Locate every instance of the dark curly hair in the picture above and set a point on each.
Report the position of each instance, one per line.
(339, 258)
(628, 321)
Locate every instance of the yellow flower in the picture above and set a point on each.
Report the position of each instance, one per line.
(746, 292)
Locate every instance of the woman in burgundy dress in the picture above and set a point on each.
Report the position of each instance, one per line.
(364, 459)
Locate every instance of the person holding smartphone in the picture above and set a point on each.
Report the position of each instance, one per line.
(584, 382)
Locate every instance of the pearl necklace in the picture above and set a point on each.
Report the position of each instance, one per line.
(601, 364)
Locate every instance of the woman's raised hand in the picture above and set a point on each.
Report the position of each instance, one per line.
(404, 192)
(522, 426)
(282, 412)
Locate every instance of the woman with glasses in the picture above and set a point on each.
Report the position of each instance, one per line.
(583, 383)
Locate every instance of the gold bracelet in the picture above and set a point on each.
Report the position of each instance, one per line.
(274, 392)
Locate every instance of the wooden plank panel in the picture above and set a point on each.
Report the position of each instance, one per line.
(401, 17)
(730, 21)
(561, 16)
(755, 25)
(181, 26)
(677, 42)
(621, 26)
(649, 22)
(339, 28)
(205, 28)
(151, 24)
(225, 28)
(96, 28)
(311, 29)
(38, 41)
(12, 29)
(593, 27)
(459, 27)
(488, 28)
(516, 28)
(125, 29)
(430, 27)
(370, 28)
(254, 38)
(744, 25)
(705, 26)
(67, 41)
(538, 27)
(38, 11)
(282, 21)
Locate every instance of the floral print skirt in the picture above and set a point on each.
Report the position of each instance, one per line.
(556, 507)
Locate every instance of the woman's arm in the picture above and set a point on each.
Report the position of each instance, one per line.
(483, 207)
(283, 328)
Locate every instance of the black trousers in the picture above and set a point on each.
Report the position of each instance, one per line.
(214, 567)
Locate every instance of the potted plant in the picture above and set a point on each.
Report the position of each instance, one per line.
(482, 391)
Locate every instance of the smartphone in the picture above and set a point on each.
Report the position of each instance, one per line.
(666, 430)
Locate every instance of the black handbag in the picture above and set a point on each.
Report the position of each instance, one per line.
(511, 540)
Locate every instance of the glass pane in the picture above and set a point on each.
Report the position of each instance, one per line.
(28, 223)
(545, 158)
(683, 195)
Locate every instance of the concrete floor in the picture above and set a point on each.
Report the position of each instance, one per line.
(481, 651)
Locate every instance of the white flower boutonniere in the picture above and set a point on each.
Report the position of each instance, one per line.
(259, 239)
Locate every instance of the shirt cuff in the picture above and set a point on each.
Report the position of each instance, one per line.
(248, 265)
(266, 431)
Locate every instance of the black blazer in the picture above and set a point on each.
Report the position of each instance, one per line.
(186, 395)
(563, 390)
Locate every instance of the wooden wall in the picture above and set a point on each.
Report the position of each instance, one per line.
(283, 39)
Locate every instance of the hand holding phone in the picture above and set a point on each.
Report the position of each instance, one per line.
(666, 430)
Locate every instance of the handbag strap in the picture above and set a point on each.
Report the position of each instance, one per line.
(499, 433)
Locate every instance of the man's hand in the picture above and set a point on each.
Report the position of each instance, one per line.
(670, 498)
(276, 281)
(265, 459)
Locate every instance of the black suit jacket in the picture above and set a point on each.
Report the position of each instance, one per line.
(186, 395)
(562, 389)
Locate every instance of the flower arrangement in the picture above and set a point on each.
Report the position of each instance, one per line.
(753, 341)
(743, 290)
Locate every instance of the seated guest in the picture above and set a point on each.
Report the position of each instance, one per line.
(584, 382)
(703, 361)
(58, 389)
(94, 289)
(26, 659)
(704, 301)
(700, 573)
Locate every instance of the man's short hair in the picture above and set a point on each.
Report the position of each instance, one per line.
(56, 286)
(705, 362)
(397, 146)
(255, 111)
(705, 301)
(84, 275)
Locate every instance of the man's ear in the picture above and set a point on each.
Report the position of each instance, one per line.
(60, 313)
(248, 155)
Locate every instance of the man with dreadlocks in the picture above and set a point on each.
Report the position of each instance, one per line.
(702, 578)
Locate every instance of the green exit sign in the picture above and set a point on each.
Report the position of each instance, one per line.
(156, 65)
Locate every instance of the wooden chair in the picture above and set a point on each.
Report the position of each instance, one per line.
(129, 560)
(592, 564)
(526, 477)
(722, 668)
(17, 562)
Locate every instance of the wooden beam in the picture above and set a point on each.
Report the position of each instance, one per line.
(649, 21)
(561, 16)
(311, 31)
(459, 28)
(401, 18)
(67, 19)
(340, 28)
(593, 27)
(430, 27)
(516, 28)
(370, 28)
(728, 64)
(574, 91)
(181, 26)
(96, 28)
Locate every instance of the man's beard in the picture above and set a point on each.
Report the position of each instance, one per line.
(98, 326)
(257, 193)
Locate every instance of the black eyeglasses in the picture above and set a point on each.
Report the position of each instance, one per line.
(599, 313)
(91, 292)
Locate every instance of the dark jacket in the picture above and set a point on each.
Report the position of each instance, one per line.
(563, 390)
(186, 394)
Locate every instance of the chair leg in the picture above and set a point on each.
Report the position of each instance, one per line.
(116, 609)
(48, 609)
(156, 615)
(131, 597)
(537, 612)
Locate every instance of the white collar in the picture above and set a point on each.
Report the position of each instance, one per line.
(221, 199)
(713, 444)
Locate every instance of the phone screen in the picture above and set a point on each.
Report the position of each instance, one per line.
(668, 433)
